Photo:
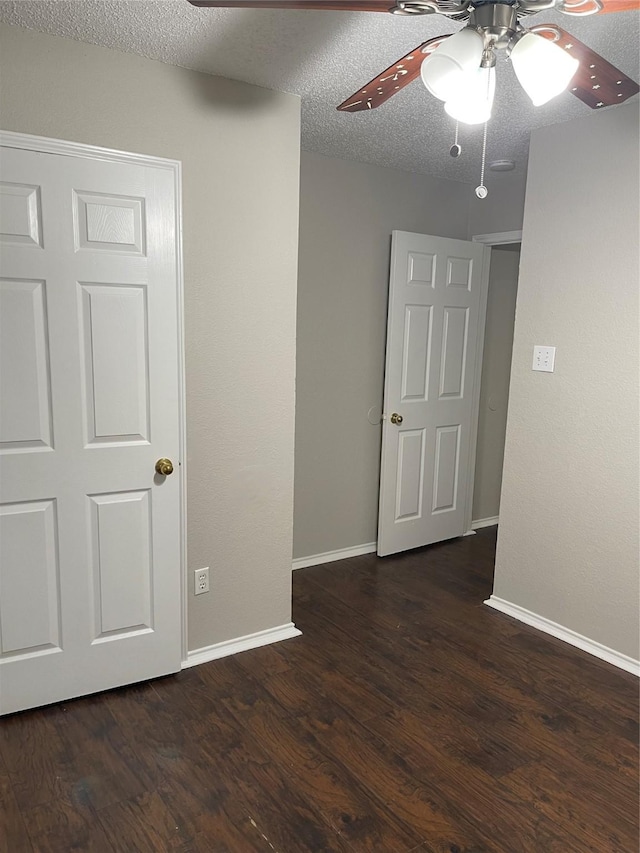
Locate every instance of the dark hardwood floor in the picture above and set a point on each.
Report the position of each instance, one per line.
(408, 717)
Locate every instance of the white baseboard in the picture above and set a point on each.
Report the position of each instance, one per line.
(241, 644)
(332, 556)
(479, 523)
(566, 635)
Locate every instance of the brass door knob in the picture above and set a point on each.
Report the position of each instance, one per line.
(396, 419)
(164, 467)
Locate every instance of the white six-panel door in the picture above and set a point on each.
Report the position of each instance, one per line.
(90, 535)
(427, 436)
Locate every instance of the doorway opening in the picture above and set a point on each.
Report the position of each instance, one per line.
(495, 376)
(432, 393)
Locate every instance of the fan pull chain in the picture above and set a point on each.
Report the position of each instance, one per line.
(456, 150)
(481, 190)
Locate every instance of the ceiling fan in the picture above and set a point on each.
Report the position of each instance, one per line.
(460, 68)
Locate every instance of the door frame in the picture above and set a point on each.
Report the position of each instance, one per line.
(62, 147)
(499, 238)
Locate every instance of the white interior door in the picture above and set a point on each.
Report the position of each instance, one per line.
(428, 434)
(90, 553)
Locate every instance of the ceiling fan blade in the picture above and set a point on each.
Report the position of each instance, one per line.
(602, 7)
(619, 6)
(328, 5)
(597, 82)
(390, 81)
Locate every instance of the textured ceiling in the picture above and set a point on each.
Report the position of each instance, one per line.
(324, 57)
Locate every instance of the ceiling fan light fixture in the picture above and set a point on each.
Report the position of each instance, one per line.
(445, 71)
(543, 68)
(473, 104)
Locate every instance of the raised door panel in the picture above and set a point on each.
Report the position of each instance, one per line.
(117, 404)
(447, 460)
(29, 579)
(459, 272)
(416, 353)
(454, 352)
(120, 533)
(20, 215)
(421, 269)
(25, 386)
(409, 484)
(109, 223)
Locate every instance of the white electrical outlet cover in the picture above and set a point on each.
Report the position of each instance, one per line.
(201, 581)
(544, 359)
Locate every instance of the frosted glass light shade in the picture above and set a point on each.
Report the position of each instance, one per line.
(543, 68)
(443, 72)
(473, 103)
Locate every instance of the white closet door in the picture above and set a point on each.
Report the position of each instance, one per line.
(89, 533)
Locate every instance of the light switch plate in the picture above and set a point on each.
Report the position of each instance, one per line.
(544, 359)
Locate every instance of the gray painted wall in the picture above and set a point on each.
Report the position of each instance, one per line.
(239, 146)
(347, 213)
(568, 542)
(503, 208)
(494, 389)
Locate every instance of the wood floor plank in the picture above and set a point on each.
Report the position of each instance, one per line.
(13, 830)
(409, 572)
(583, 808)
(142, 823)
(196, 787)
(535, 683)
(264, 792)
(434, 677)
(337, 796)
(347, 678)
(268, 803)
(36, 758)
(387, 776)
(99, 754)
(504, 819)
(408, 717)
(62, 825)
(265, 661)
(300, 690)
